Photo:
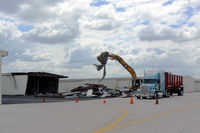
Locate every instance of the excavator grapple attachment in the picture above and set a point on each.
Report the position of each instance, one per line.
(102, 58)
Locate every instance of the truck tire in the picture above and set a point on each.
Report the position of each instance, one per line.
(144, 97)
(180, 93)
(138, 97)
(167, 94)
(154, 97)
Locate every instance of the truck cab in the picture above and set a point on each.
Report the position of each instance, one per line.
(157, 84)
(153, 85)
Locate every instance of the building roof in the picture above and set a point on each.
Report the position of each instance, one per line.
(39, 74)
(3, 53)
(109, 78)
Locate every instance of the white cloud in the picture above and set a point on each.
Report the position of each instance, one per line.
(8, 31)
(196, 19)
(161, 32)
(103, 18)
(49, 33)
(68, 35)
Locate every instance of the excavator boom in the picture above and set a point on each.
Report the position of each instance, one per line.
(103, 58)
(124, 64)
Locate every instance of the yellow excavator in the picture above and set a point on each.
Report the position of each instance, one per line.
(103, 58)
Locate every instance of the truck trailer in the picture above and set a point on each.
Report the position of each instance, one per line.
(162, 84)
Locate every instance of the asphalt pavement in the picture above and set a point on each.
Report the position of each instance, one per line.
(177, 114)
(19, 99)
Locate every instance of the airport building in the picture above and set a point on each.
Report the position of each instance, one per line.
(34, 83)
(189, 83)
(2, 54)
(30, 83)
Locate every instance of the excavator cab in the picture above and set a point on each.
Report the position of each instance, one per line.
(135, 84)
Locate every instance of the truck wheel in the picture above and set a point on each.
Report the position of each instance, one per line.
(154, 97)
(138, 97)
(167, 94)
(180, 93)
(144, 97)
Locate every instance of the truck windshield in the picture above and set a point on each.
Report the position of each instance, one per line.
(151, 81)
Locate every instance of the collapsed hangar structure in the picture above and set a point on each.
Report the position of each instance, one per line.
(30, 83)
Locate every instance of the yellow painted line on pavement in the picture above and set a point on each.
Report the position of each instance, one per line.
(115, 122)
(154, 117)
(112, 127)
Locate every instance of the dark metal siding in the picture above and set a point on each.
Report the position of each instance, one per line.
(43, 85)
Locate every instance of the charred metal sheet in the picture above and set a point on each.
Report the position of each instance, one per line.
(87, 87)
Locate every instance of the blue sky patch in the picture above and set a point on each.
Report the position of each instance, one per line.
(198, 8)
(189, 12)
(163, 23)
(120, 9)
(25, 28)
(6, 19)
(175, 26)
(191, 24)
(99, 3)
(178, 25)
(146, 23)
(168, 2)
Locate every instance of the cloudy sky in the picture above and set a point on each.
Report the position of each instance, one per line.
(65, 36)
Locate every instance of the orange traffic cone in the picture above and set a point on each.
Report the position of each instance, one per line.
(131, 100)
(104, 101)
(157, 100)
(77, 100)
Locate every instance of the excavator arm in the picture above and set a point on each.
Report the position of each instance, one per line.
(124, 64)
(103, 58)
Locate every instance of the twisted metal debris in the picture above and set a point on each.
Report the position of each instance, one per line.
(102, 58)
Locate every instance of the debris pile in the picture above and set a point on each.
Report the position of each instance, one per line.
(94, 90)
